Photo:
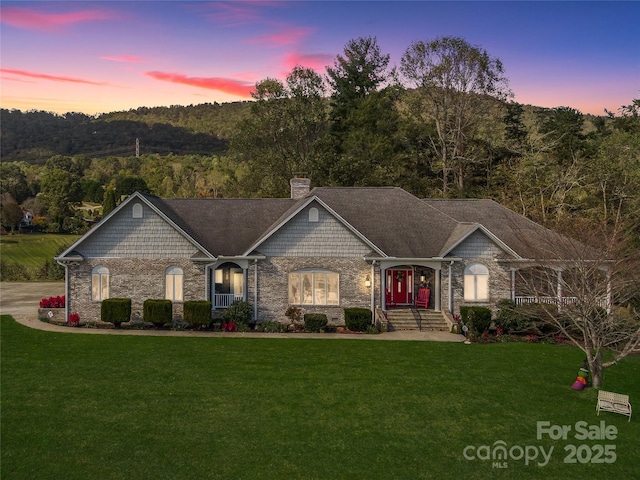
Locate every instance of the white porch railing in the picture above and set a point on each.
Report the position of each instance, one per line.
(223, 300)
(602, 302)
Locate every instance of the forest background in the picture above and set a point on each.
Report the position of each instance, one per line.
(440, 125)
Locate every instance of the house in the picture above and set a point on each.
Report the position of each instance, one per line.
(322, 250)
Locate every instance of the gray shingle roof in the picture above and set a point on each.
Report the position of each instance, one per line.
(223, 226)
(527, 238)
(398, 223)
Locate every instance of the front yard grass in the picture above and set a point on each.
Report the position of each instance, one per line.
(138, 407)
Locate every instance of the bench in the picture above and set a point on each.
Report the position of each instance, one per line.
(613, 402)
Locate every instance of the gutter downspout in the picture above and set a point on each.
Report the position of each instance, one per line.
(66, 289)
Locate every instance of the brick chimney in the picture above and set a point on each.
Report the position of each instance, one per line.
(299, 187)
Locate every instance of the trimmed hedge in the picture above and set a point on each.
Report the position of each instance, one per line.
(115, 310)
(357, 319)
(157, 311)
(197, 312)
(314, 322)
(477, 318)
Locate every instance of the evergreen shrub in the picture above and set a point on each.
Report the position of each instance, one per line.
(197, 312)
(314, 322)
(357, 319)
(115, 310)
(157, 311)
(477, 318)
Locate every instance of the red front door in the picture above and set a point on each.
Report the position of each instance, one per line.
(399, 289)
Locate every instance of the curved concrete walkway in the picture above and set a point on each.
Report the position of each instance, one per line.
(20, 300)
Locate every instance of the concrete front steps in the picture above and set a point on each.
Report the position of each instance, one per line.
(416, 319)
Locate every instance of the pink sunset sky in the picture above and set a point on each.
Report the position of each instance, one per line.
(96, 57)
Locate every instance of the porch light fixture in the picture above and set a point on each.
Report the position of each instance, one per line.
(422, 278)
(367, 282)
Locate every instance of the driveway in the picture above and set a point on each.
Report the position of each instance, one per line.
(21, 300)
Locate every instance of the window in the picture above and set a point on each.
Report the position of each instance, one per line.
(99, 283)
(173, 284)
(137, 210)
(314, 287)
(476, 282)
(313, 214)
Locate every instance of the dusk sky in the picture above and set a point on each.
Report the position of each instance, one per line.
(97, 57)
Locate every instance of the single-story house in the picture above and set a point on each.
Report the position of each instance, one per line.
(323, 250)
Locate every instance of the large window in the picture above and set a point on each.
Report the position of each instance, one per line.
(173, 284)
(476, 282)
(314, 287)
(99, 283)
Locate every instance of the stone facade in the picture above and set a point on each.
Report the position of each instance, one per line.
(273, 286)
(134, 278)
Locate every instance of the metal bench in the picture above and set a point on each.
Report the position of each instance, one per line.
(613, 402)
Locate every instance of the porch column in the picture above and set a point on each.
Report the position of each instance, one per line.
(559, 289)
(373, 292)
(436, 302)
(255, 290)
(513, 284)
(609, 291)
(450, 288)
(383, 287)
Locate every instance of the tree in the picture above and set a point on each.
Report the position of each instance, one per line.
(14, 181)
(11, 215)
(363, 139)
(455, 82)
(598, 307)
(60, 192)
(279, 137)
(109, 203)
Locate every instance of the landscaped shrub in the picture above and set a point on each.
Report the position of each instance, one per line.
(512, 318)
(157, 311)
(357, 319)
(293, 313)
(197, 313)
(238, 312)
(74, 319)
(314, 322)
(271, 327)
(115, 310)
(477, 318)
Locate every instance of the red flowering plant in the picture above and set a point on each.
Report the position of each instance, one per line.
(74, 319)
(53, 302)
(499, 332)
(229, 327)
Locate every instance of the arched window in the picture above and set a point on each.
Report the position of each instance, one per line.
(137, 210)
(476, 282)
(314, 287)
(313, 214)
(174, 278)
(99, 283)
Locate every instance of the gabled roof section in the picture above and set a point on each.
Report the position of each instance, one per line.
(299, 206)
(464, 230)
(396, 222)
(523, 237)
(152, 202)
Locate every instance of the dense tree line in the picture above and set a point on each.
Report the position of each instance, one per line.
(443, 124)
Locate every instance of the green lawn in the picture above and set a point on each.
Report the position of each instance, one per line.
(33, 249)
(138, 407)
